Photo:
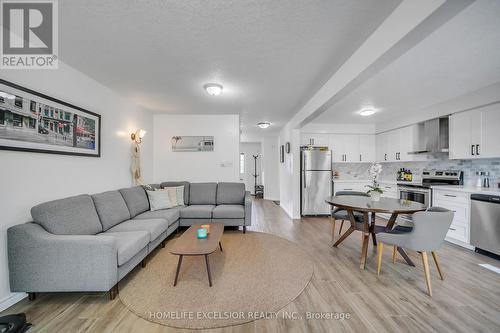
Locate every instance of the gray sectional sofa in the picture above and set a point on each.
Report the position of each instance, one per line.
(90, 242)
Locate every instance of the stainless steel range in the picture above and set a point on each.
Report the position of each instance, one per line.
(421, 191)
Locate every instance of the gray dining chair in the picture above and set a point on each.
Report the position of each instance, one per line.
(341, 214)
(427, 235)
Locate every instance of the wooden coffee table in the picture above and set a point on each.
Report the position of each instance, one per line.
(188, 244)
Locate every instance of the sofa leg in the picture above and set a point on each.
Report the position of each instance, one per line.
(113, 292)
(244, 229)
(31, 296)
(163, 244)
(143, 263)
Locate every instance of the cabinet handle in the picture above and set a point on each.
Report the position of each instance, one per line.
(477, 150)
(360, 157)
(453, 229)
(449, 195)
(385, 157)
(472, 150)
(348, 189)
(312, 142)
(387, 187)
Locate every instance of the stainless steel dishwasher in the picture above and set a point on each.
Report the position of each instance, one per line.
(485, 223)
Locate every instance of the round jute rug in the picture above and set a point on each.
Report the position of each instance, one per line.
(256, 275)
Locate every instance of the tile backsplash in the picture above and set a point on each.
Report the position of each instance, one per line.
(469, 167)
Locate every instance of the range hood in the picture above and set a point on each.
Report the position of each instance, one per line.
(434, 137)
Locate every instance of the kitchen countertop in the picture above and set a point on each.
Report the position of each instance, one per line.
(362, 181)
(468, 189)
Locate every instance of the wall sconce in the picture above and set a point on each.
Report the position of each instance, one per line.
(138, 135)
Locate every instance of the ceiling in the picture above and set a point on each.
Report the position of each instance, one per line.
(270, 56)
(460, 57)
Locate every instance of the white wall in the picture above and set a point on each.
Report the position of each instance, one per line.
(270, 168)
(250, 149)
(31, 178)
(339, 128)
(289, 173)
(220, 165)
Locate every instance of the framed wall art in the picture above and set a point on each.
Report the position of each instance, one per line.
(34, 122)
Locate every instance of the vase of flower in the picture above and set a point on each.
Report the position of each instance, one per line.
(374, 189)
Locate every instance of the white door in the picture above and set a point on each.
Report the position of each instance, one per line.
(381, 147)
(367, 148)
(338, 146)
(351, 153)
(461, 145)
(490, 132)
(394, 145)
(490, 128)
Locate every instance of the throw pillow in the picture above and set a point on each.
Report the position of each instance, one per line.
(172, 192)
(159, 199)
(180, 195)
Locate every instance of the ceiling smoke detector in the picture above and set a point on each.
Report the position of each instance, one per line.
(213, 89)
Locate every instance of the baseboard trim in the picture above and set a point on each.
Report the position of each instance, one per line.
(12, 299)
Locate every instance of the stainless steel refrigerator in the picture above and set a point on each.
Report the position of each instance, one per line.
(315, 181)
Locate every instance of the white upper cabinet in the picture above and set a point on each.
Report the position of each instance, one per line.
(490, 132)
(396, 145)
(382, 147)
(314, 139)
(352, 147)
(475, 134)
(366, 148)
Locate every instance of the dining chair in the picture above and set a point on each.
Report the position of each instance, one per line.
(427, 235)
(341, 214)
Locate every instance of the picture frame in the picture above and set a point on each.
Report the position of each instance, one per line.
(34, 122)
(282, 154)
(287, 147)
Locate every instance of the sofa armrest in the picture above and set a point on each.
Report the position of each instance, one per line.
(43, 262)
(248, 208)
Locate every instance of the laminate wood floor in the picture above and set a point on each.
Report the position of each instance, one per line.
(468, 300)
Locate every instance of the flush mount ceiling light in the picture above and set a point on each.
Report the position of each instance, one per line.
(368, 111)
(213, 89)
(264, 124)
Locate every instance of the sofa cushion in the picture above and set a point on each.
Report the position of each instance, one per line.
(171, 215)
(175, 184)
(128, 243)
(230, 193)
(111, 208)
(70, 216)
(136, 200)
(159, 199)
(229, 212)
(197, 211)
(202, 193)
(154, 227)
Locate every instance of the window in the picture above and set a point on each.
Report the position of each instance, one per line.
(32, 123)
(2, 117)
(17, 120)
(242, 163)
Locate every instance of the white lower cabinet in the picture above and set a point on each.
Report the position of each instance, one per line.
(459, 202)
(349, 186)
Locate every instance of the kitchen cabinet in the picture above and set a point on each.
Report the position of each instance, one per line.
(359, 186)
(475, 134)
(395, 145)
(314, 139)
(352, 147)
(459, 202)
(366, 148)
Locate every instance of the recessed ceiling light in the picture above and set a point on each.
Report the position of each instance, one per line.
(367, 111)
(213, 89)
(264, 124)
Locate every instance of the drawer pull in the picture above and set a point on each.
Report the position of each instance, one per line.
(452, 229)
(449, 195)
(348, 189)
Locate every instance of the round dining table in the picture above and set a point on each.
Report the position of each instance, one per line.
(369, 208)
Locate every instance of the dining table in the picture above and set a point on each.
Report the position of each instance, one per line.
(369, 208)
